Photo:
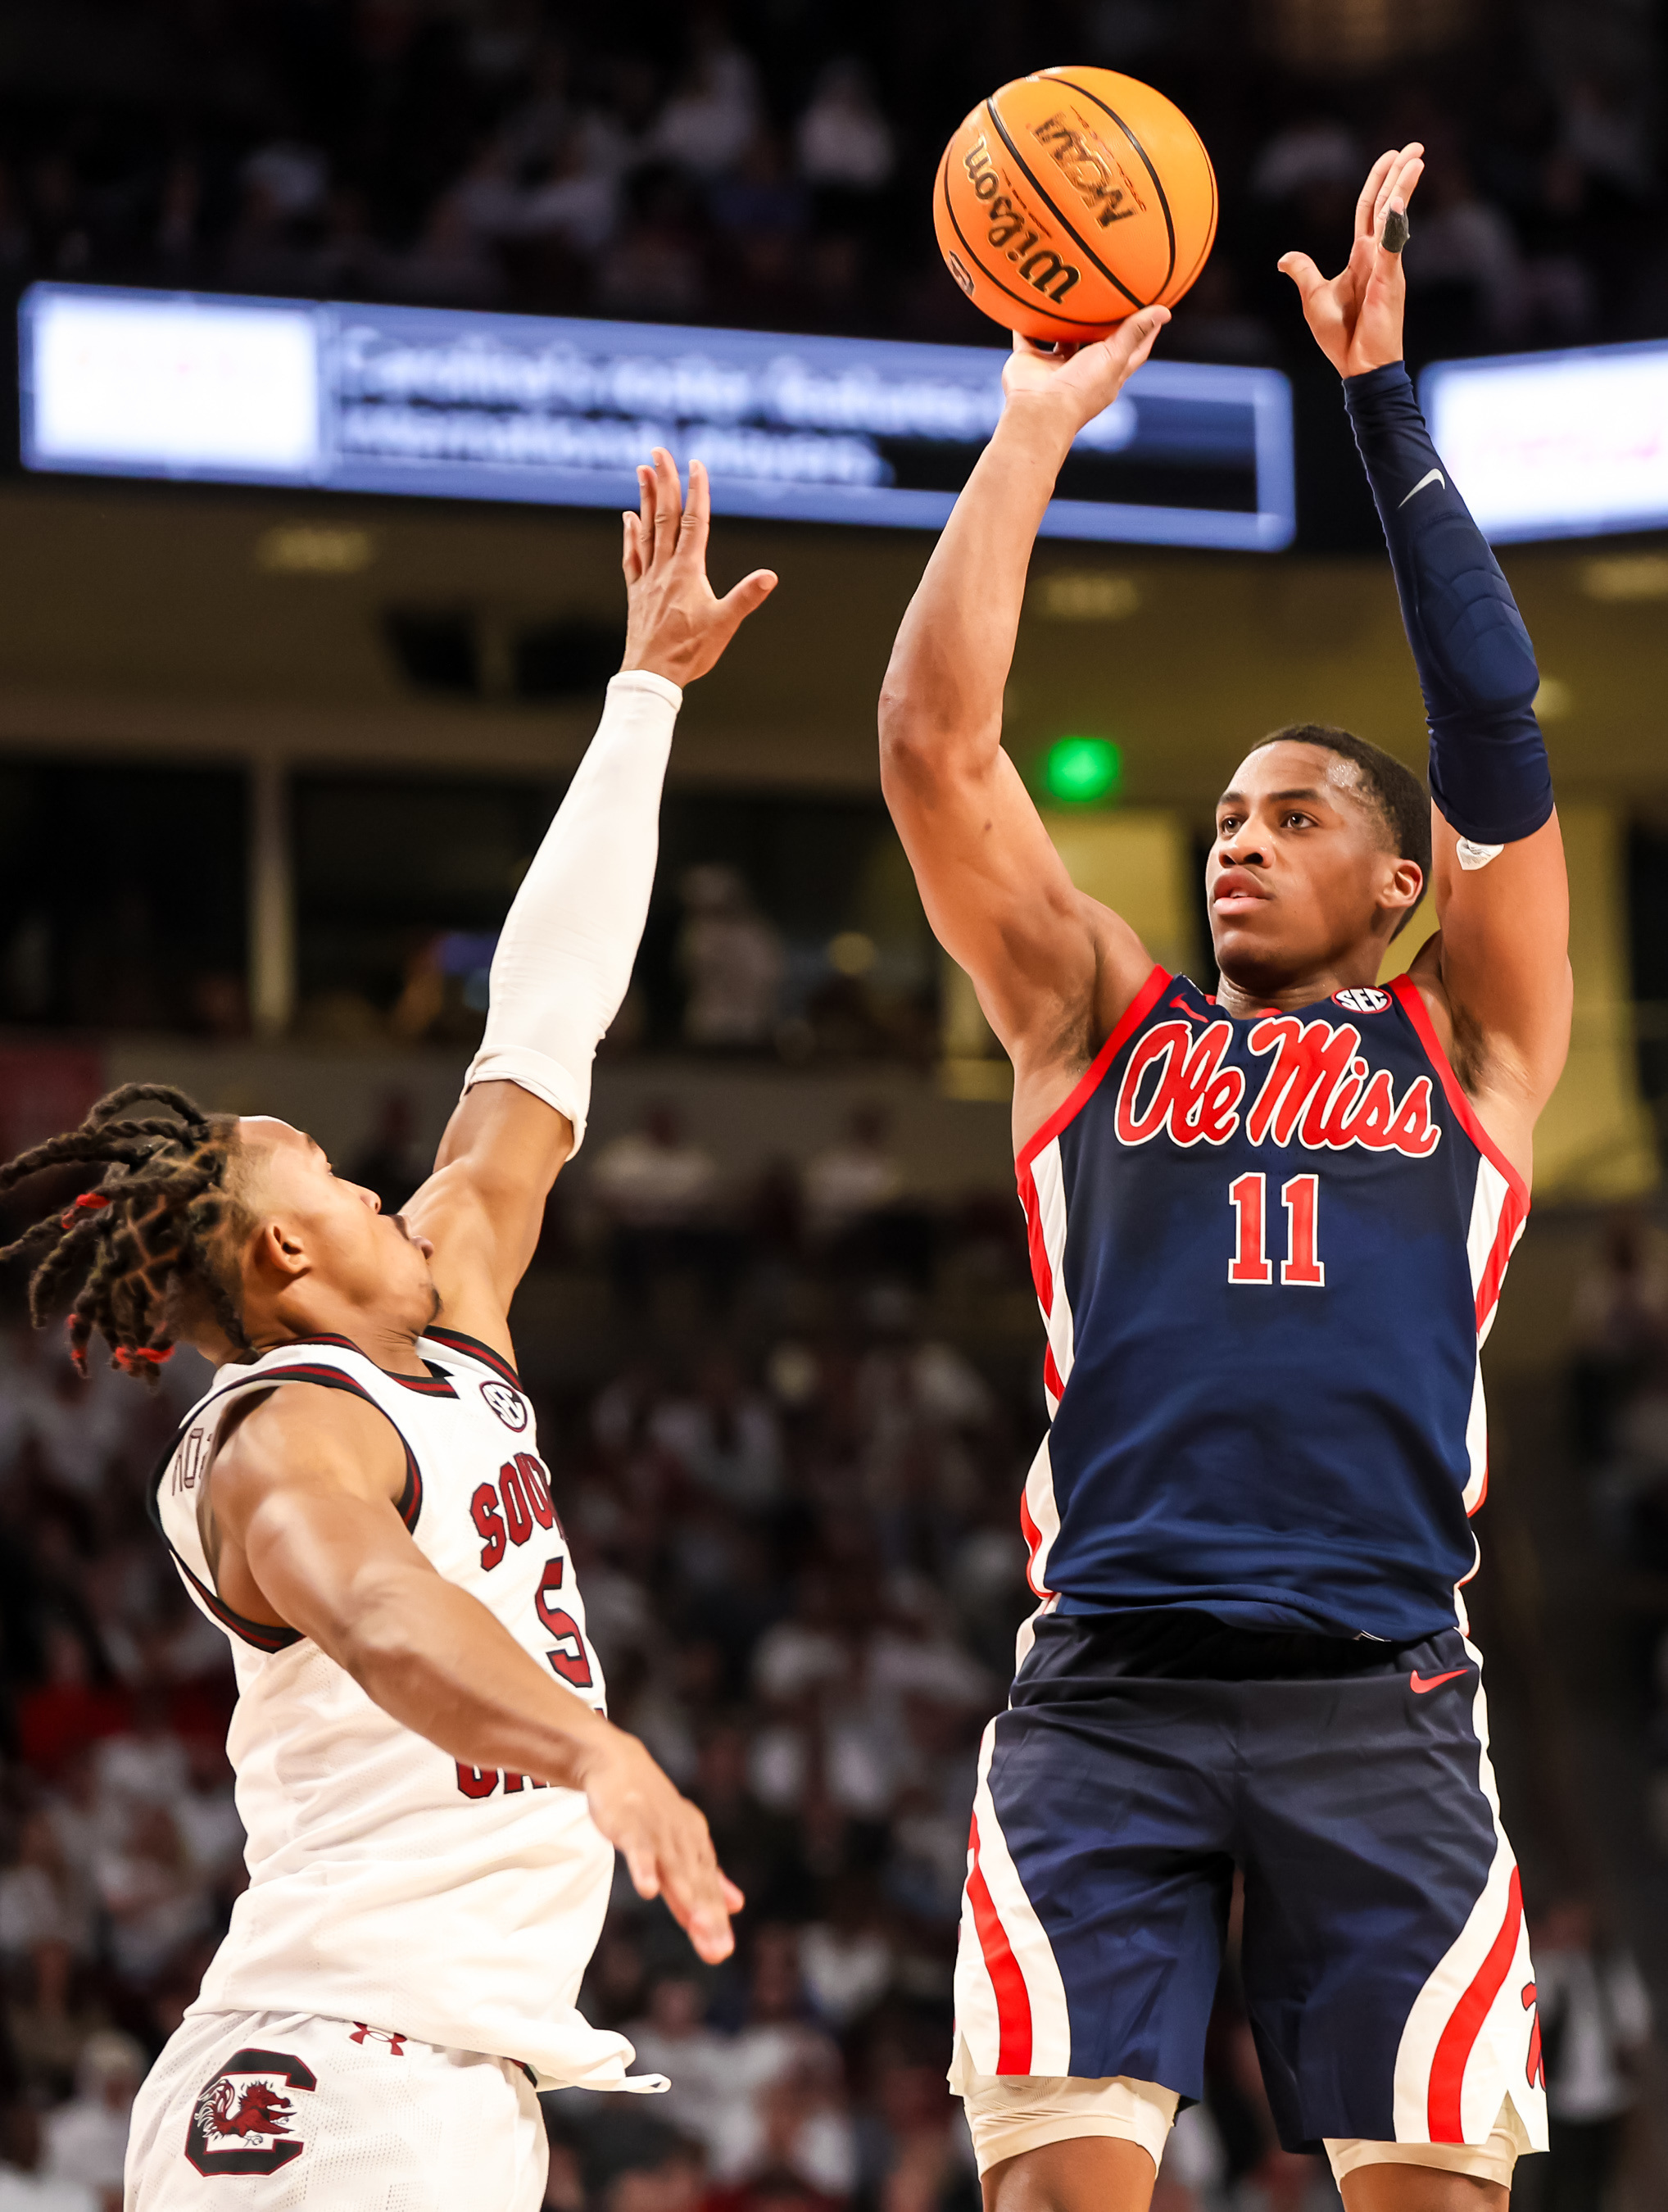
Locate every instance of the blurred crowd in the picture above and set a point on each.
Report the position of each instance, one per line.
(730, 981)
(1620, 1420)
(769, 163)
(722, 974)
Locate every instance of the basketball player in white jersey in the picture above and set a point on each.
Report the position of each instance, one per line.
(432, 1792)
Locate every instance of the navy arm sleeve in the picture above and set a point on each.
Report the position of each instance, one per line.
(1488, 769)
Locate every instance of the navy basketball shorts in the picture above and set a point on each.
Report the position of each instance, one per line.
(1386, 1962)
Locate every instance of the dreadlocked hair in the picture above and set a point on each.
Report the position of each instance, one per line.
(145, 1230)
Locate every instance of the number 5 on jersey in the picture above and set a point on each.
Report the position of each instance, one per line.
(1300, 1197)
(568, 1658)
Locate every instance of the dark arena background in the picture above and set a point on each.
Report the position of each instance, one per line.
(291, 676)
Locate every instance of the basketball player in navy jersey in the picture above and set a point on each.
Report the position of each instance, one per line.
(1268, 1230)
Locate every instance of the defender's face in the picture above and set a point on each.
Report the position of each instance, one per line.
(1298, 870)
(364, 1255)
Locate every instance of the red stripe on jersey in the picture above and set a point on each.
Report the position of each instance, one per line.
(1406, 992)
(1455, 2045)
(1500, 1252)
(1033, 1536)
(1051, 1382)
(426, 1386)
(1013, 1998)
(1041, 1274)
(456, 1340)
(1131, 1019)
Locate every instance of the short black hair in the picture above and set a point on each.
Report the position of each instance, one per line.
(1395, 792)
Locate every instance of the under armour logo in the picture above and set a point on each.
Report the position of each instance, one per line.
(1430, 477)
(363, 2034)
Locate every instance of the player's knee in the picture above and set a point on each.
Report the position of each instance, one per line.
(1088, 2174)
(1421, 2189)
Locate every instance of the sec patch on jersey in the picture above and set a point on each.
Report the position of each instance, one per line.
(509, 1404)
(1365, 999)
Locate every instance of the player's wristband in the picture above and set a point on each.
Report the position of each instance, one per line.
(1488, 769)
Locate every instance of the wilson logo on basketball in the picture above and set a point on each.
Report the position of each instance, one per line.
(1015, 233)
(1318, 1093)
(243, 2121)
(1089, 166)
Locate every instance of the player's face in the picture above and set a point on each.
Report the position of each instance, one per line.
(361, 1254)
(1298, 876)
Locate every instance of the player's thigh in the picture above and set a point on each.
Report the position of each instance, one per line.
(1387, 1968)
(1086, 2173)
(1420, 2189)
(284, 2111)
(1098, 1887)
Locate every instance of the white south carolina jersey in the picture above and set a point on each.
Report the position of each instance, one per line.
(388, 1885)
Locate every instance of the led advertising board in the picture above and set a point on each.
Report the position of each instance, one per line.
(1555, 444)
(442, 404)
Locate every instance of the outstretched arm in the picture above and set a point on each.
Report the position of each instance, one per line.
(1053, 968)
(565, 957)
(306, 1536)
(1497, 977)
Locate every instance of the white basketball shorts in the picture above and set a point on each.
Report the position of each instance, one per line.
(282, 2110)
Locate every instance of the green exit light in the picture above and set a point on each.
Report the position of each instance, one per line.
(1083, 771)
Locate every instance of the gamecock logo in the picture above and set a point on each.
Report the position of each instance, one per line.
(242, 2122)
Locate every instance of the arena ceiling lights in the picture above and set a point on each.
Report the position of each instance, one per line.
(446, 404)
(1555, 444)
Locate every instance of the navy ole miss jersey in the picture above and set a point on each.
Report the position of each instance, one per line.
(1268, 1248)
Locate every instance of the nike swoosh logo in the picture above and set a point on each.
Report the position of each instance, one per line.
(1431, 477)
(1419, 1684)
(1187, 1010)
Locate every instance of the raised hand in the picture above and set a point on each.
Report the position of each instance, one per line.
(676, 626)
(1083, 380)
(1356, 316)
(663, 1839)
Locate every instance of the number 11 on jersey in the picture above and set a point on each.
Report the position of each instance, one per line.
(1301, 1196)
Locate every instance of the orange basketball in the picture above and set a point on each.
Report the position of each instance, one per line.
(1070, 199)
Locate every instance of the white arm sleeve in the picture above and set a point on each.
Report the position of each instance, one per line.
(565, 957)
